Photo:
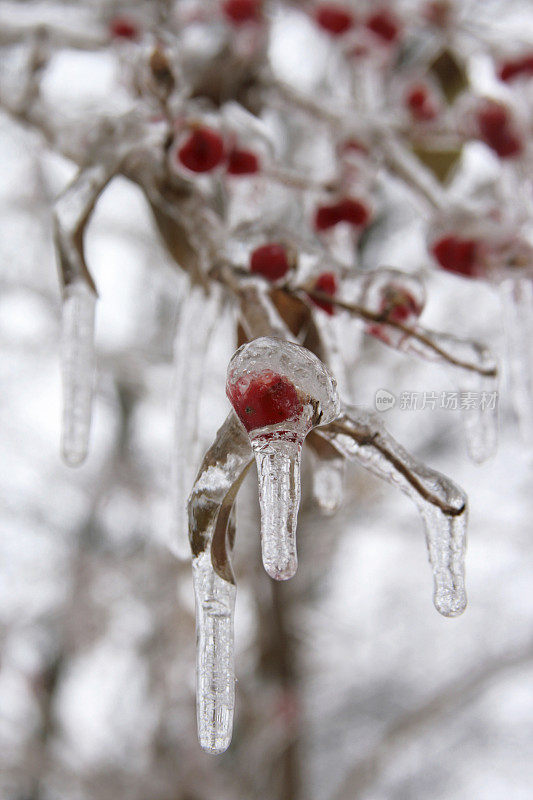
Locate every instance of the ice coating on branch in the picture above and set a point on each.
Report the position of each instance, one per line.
(517, 305)
(211, 539)
(279, 391)
(360, 436)
(197, 319)
(78, 364)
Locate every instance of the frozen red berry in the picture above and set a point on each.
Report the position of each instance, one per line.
(327, 284)
(202, 151)
(271, 261)
(123, 28)
(347, 210)
(333, 18)
(398, 305)
(239, 12)
(264, 399)
(384, 25)
(420, 103)
(242, 162)
(519, 67)
(457, 255)
(496, 129)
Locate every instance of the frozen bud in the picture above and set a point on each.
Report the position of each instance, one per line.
(242, 162)
(202, 151)
(348, 209)
(421, 103)
(327, 283)
(279, 391)
(272, 261)
(124, 28)
(459, 255)
(496, 127)
(396, 296)
(516, 68)
(333, 18)
(241, 12)
(384, 25)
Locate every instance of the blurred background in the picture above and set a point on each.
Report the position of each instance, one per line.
(350, 685)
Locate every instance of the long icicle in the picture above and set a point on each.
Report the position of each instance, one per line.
(211, 539)
(78, 366)
(360, 436)
(197, 319)
(517, 304)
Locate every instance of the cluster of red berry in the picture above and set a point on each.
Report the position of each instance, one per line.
(204, 150)
(337, 20)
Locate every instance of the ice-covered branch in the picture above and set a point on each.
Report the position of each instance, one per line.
(72, 212)
(210, 505)
(438, 347)
(360, 436)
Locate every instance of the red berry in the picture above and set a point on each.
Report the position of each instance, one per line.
(271, 261)
(328, 284)
(353, 211)
(457, 255)
(419, 103)
(239, 12)
(242, 162)
(333, 18)
(384, 25)
(346, 210)
(203, 150)
(326, 217)
(265, 399)
(496, 130)
(519, 67)
(399, 305)
(123, 28)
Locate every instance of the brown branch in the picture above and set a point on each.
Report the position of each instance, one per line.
(364, 439)
(382, 318)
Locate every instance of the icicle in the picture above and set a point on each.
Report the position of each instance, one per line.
(278, 460)
(279, 391)
(442, 505)
(328, 484)
(517, 303)
(210, 515)
(215, 668)
(329, 470)
(78, 363)
(197, 318)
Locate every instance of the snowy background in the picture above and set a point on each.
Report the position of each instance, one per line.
(96, 617)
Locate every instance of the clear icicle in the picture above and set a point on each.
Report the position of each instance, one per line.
(474, 372)
(279, 391)
(78, 364)
(210, 506)
(215, 668)
(328, 484)
(197, 318)
(278, 471)
(442, 504)
(517, 303)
